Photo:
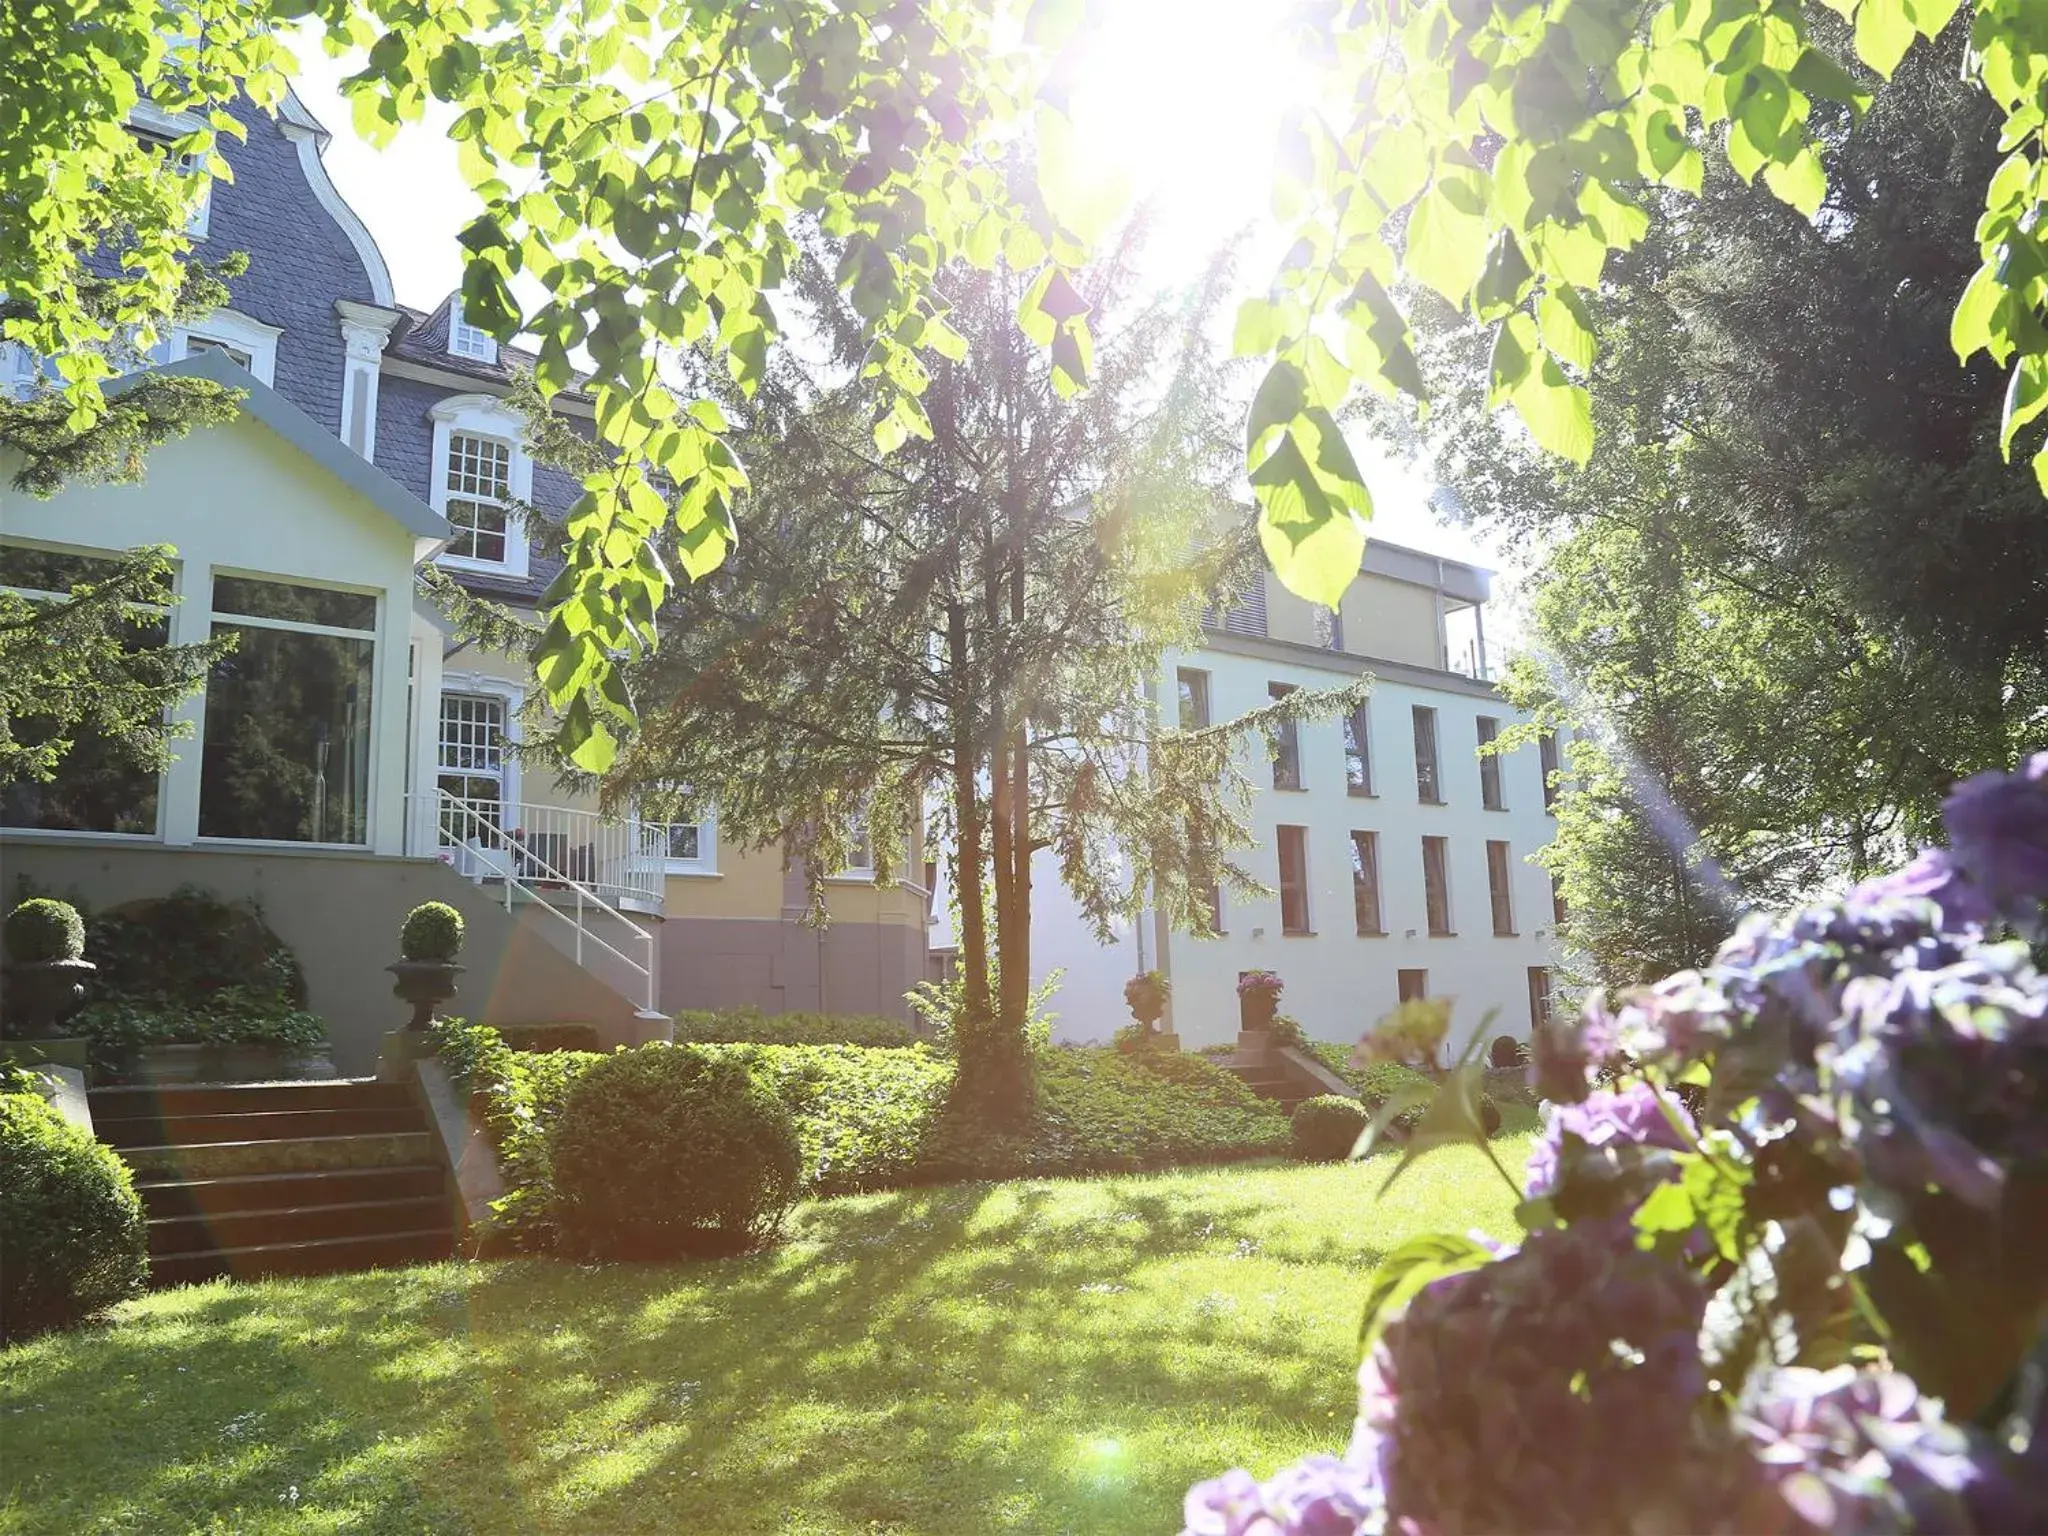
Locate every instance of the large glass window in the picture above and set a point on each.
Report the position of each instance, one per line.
(1428, 787)
(98, 786)
(1489, 765)
(1286, 744)
(288, 714)
(471, 765)
(479, 471)
(1294, 879)
(1365, 882)
(1358, 752)
(1436, 885)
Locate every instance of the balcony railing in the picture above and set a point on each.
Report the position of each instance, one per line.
(544, 846)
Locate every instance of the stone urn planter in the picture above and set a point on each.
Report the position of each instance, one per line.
(1145, 995)
(1258, 1004)
(46, 968)
(426, 971)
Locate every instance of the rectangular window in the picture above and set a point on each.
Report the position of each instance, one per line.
(1358, 752)
(479, 495)
(1194, 698)
(683, 842)
(1286, 744)
(1365, 882)
(1330, 629)
(471, 766)
(287, 756)
(466, 340)
(1293, 879)
(1546, 749)
(241, 357)
(1557, 911)
(98, 787)
(1436, 885)
(1499, 889)
(1206, 899)
(1539, 997)
(1428, 786)
(1413, 985)
(1489, 765)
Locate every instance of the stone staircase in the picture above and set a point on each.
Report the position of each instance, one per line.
(1270, 1076)
(249, 1179)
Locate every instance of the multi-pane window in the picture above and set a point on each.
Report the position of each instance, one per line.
(1436, 884)
(1489, 765)
(288, 714)
(1365, 882)
(1286, 744)
(1539, 997)
(1193, 688)
(98, 787)
(479, 473)
(466, 340)
(1358, 752)
(471, 763)
(1499, 890)
(1546, 749)
(1428, 783)
(1293, 879)
(1413, 986)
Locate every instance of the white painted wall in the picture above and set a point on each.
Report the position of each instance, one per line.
(238, 498)
(1337, 982)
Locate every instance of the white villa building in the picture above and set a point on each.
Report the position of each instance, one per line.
(1398, 858)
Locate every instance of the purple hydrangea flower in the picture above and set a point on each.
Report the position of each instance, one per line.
(1998, 831)
(1318, 1496)
(1551, 1390)
(1860, 1451)
(1933, 877)
(1631, 1116)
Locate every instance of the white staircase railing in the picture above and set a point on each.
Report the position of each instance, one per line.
(572, 864)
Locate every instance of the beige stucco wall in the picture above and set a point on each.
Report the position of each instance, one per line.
(340, 913)
(1391, 619)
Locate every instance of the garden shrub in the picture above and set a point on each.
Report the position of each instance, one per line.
(1326, 1128)
(70, 1221)
(42, 929)
(188, 945)
(551, 1037)
(432, 932)
(752, 1026)
(863, 1116)
(669, 1149)
(1382, 1080)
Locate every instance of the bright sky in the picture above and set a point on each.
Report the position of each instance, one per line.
(1182, 97)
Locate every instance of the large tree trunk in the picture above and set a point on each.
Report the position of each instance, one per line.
(967, 815)
(1013, 1005)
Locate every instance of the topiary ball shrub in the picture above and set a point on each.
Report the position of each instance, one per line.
(432, 932)
(70, 1221)
(671, 1149)
(1326, 1128)
(41, 929)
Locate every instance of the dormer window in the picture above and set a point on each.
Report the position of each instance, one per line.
(466, 340)
(482, 476)
(242, 339)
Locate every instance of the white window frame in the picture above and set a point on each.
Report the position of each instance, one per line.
(466, 340)
(860, 869)
(232, 328)
(484, 416)
(706, 862)
(166, 128)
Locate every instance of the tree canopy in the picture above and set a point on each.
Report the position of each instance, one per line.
(641, 165)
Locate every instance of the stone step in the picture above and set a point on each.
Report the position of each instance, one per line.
(172, 1197)
(140, 1102)
(325, 1256)
(262, 1125)
(231, 1230)
(307, 1154)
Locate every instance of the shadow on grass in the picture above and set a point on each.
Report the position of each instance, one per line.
(1045, 1357)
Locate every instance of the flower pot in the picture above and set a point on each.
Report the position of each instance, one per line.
(41, 994)
(1257, 1009)
(425, 984)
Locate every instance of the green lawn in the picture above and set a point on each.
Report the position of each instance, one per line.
(1056, 1356)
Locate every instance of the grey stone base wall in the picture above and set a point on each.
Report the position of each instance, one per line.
(780, 966)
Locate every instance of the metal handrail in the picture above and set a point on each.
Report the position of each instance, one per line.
(530, 871)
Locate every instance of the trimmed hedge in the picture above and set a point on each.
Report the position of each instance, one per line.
(70, 1220)
(874, 1118)
(672, 1149)
(551, 1037)
(42, 929)
(1327, 1127)
(750, 1026)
